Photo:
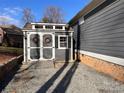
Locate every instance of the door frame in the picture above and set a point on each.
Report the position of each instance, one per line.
(53, 45)
(41, 46)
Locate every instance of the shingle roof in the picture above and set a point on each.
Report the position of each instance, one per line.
(11, 29)
(27, 26)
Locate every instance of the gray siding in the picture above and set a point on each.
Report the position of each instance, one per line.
(104, 31)
(75, 36)
(62, 54)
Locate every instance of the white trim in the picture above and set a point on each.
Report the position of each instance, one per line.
(71, 46)
(63, 28)
(116, 60)
(41, 46)
(52, 47)
(29, 47)
(44, 27)
(59, 47)
(24, 47)
(54, 27)
(50, 30)
(33, 26)
(81, 21)
(48, 24)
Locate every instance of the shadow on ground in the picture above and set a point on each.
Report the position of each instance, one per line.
(8, 77)
(64, 83)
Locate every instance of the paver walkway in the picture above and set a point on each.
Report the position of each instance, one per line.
(70, 78)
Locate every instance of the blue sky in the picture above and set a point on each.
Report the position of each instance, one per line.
(12, 9)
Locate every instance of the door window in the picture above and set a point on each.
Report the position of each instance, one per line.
(47, 40)
(47, 46)
(34, 40)
(41, 46)
(35, 46)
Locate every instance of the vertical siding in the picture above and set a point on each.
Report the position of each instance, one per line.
(103, 32)
(75, 35)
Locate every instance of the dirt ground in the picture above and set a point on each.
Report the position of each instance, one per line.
(69, 78)
(4, 57)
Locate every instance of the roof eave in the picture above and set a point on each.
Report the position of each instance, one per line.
(92, 5)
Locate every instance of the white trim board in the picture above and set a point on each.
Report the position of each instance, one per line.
(59, 42)
(49, 24)
(49, 30)
(116, 60)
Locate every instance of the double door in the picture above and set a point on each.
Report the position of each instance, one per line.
(41, 46)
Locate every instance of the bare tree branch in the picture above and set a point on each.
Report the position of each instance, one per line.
(27, 17)
(53, 15)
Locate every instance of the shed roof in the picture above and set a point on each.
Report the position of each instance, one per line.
(28, 26)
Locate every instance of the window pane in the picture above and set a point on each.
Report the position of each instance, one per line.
(63, 39)
(35, 53)
(49, 27)
(58, 27)
(39, 26)
(34, 40)
(47, 53)
(47, 40)
(63, 44)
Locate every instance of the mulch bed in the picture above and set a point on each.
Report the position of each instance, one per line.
(5, 57)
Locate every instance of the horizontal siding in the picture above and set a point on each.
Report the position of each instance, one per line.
(104, 31)
(62, 54)
(114, 23)
(108, 11)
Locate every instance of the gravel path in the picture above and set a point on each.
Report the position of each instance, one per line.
(69, 78)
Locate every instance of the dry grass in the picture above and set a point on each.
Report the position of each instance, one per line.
(6, 53)
(11, 50)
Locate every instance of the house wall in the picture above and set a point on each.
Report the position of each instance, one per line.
(100, 40)
(103, 32)
(13, 40)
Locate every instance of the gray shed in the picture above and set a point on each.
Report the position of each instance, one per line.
(47, 41)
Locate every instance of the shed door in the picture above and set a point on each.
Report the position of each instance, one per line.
(34, 46)
(40, 46)
(48, 46)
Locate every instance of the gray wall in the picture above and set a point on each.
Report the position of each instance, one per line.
(103, 32)
(62, 54)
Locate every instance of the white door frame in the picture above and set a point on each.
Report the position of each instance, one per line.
(41, 45)
(53, 45)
